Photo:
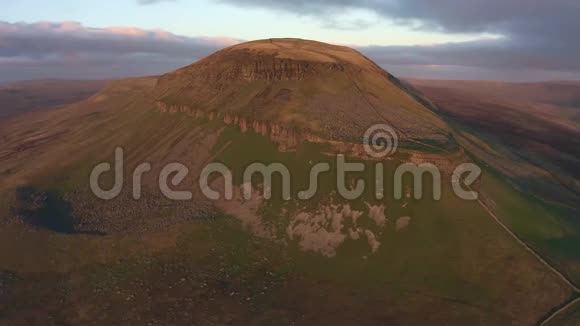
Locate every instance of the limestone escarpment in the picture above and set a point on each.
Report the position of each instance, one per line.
(215, 74)
(269, 61)
(247, 67)
(332, 90)
(286, 138)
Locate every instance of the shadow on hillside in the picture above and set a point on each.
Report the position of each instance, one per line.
(47, 210)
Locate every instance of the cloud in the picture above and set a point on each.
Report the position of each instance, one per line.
(536, 34)
(150, 2)
(492, 53)
(347, 24)
(71, 50)
(448, 15)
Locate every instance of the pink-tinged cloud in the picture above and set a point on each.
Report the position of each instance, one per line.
(81, 51)
(71, 50)
(224, 41)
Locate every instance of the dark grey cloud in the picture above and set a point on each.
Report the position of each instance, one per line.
(537, 34)
(70, 50)
(448, 15)
(493, 53)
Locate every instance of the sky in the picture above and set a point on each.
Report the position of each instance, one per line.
(512, 40)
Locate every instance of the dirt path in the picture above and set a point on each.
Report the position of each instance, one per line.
(559, 311)
(562, 277)
(528, 248)
(540, 259)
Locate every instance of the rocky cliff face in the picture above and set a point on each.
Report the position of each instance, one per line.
(276, 60)
(329, 90)
(286, 138)
(246, 67)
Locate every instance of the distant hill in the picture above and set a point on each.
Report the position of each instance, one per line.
(24, 97)
(537, 123)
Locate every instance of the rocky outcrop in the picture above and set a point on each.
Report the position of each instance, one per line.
(285, 137)
(269, 68)
(333, 90)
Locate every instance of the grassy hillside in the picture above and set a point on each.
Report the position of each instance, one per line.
(523, 135)
(69, 257)
(450, 260)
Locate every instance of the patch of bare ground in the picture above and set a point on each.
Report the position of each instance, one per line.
(245, 210)
(403, 222)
